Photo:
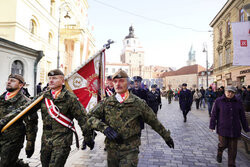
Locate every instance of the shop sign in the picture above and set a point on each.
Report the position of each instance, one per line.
(245, 71)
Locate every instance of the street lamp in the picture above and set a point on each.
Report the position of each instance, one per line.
(247, 10)
(205, 50)
(59, 22)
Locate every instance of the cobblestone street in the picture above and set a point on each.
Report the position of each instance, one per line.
(195, 144)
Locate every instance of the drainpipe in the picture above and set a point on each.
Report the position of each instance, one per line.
(39, 57)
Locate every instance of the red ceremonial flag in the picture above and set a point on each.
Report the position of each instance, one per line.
(87, 81)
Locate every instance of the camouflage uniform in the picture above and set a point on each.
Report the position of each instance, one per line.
(124, 118)
(11, 141)
(56, 138)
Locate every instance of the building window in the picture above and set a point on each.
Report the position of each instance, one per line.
(220, 34)
(33, 26)
(242, 15)
(113, 70)
(220, 60)
(17, 67)
(228, 27)
(50, 38)
(228, 55)
(52, 7)
(106, 70)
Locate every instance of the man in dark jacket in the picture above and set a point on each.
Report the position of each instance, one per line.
(39, 88)
(228, 117)
(185, 100)
(210, 95)
(246, 101)
(137, 90)
(154, 99)
(202, 100)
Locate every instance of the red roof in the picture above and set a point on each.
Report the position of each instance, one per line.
(193, 69)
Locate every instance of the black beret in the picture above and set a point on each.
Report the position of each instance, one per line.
(55, 72)
(18, 77)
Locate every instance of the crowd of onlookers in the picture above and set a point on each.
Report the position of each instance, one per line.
(205, 97)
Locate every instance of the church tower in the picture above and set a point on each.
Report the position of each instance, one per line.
(133, 53)
(191, 57)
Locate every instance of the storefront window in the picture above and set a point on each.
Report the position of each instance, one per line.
(17, 67)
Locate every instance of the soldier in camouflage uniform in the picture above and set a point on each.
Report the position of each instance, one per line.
(118, 117)
(11, 141)
(56, 138)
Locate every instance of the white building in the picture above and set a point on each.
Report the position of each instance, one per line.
(36, 24)
(18, 59)
(133, 53)
(112, 68)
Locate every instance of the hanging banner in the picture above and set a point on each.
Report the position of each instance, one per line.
(241, 43)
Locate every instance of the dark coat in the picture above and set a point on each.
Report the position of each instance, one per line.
(228, 116)
(246, 101)
(154, 100)
(210, 95)
(141, 93)
(185, 100)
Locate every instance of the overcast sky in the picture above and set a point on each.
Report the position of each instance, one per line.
(166, 28)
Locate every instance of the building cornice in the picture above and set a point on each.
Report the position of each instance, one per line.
(221, 12)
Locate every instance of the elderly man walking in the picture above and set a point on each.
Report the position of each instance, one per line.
(228, 116)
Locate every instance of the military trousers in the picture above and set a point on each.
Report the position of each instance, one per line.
(9, 151)
(231, 144)
(54, 156)
(118, 158)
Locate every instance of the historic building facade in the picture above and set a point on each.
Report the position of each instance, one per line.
(18, 59)
(187, 74)
(111, 68)
(133, 53)
(224, 72)
(35, 24)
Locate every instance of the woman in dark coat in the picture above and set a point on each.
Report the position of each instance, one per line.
(185, 100)
(228, 116)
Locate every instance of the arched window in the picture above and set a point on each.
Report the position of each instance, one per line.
(33, 26)
(228, 27)
(242, 15)
(52, 7)
(17, 67)
(50, 38)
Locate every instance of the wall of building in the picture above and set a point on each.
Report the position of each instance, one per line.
(177, 80)
(224, 72)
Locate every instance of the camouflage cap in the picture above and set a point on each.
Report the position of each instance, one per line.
(120, 74)
(18, 77)
(55, 72)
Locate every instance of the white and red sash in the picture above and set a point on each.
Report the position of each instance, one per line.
(109, 92)
(54, 112)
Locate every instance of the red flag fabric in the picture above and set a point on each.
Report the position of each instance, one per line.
(86, 82)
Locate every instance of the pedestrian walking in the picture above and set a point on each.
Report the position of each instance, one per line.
(39, 88)
(210, 95)
(228, 117)
(185, 100)
(58, 108)
(11, 141)
(196, 97)
(154, 99)
(170, 94)
(202, 100)
(118, 117)
(246, 100)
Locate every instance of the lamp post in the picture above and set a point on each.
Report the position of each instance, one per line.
(59, 22)
(247, 10)
(205, 50)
